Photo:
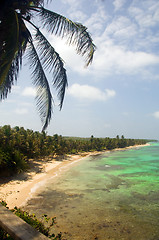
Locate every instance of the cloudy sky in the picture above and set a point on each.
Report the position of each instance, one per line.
(119, 93)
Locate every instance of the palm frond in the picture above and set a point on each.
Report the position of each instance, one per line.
(9, 44)
(75, 32)
(12, 57)
(52, 61)
(11, 77)
(44, 97)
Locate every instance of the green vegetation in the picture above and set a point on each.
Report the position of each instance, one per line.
(17, 145)
(31, 219)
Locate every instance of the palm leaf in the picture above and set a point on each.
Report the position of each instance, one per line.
(12, 57)
(10, 45)
(44, 97)
(75, 32)
(12, 75)
(52, 61)
(14, 39)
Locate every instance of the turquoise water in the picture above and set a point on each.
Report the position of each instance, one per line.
(113, 196)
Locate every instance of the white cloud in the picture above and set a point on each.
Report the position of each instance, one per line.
(111, 59)
(15, 89)
(72, 3)
(21, 111)
(107, 125)
(125, 113)
(29, 91)
(118, 4)
(145, 13)
(25, 104)
(9, 100)
(68, 54)
(122, 48)
(74, 10)
(156, 114)
(86, 92)
(96, 20)
(121, 27)
(78, 16)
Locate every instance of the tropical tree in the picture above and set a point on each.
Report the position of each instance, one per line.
(16, 39)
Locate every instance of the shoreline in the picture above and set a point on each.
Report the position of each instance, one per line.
(20, 188)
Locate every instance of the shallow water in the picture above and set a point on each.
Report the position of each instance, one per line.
(108, 196)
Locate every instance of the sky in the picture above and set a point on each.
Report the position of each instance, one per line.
(118, 94)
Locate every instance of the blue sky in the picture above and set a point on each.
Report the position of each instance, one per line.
(119, 93)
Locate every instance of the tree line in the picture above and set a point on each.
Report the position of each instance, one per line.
(17, 145)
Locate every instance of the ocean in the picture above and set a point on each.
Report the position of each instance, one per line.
(113, 195)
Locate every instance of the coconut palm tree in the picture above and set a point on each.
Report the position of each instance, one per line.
(16, 39)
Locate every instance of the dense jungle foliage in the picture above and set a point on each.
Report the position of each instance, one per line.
(17, 145)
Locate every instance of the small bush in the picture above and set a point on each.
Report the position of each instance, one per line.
(32, 220)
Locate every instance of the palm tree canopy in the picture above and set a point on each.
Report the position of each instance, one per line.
(16, 39)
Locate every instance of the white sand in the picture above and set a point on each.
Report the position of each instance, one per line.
(21, 187)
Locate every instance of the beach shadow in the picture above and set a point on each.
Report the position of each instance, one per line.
(35, 166)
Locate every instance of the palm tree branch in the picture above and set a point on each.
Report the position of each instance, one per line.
(75, 32)
(13, 56)
(10, 45)
(52, 61)
(44, 97)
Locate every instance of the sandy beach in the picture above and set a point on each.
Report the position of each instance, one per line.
(18, 189)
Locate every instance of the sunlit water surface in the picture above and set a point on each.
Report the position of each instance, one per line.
(113, 196)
